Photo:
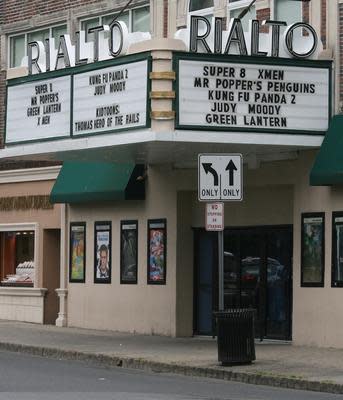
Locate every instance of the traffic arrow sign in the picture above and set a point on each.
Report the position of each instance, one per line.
(231, 167)
(220, 177)
(208, 168)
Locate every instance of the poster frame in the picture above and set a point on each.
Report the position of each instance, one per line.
(83, 225)
(123, 280)
(96, 225)
(305, 283)
(163, 228)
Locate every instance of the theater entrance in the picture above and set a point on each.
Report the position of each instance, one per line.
(257, 274)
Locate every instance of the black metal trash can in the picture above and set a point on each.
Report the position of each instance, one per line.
(235, 336)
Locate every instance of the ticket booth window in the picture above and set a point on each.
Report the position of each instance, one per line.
(17, 258)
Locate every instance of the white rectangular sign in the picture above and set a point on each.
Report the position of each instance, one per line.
(38, 110)
(215, 217)
(228, 95)
(111, 98)
(220, 177)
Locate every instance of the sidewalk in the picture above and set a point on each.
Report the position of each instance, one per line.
(277, 364)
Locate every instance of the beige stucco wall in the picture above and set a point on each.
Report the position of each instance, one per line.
(269, 205)
(275, 193)
(141, 308)
(317, 312)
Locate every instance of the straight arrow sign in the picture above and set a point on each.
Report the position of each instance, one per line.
(231, 167)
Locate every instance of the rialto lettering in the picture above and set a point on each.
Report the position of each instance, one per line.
(205, 36)
(109, 41)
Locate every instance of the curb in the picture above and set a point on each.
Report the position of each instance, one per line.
(161, 367)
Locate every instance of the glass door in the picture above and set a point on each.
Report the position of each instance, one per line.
(279, 283)
(258, 274)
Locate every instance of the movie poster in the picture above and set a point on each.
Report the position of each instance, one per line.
(312, 265)
(128, 252)
(102, 252)
(157, 242)
(77, 265)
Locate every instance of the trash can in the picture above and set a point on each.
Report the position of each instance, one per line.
(235, 336)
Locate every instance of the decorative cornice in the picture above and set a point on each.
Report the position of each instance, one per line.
(29, 174)
(22, 292)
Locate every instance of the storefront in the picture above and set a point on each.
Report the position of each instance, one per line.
(134, 253)
(29, 246)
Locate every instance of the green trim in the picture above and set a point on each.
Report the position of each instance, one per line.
(148, 99)
(71, 106)
(328, 166)
(263, 61)
(87, 182)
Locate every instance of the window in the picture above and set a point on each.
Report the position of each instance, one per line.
(137, 20)
(195, 5)
(18, 43)
(289, 11)
(337, 249)
(235, 9)
(17, 261)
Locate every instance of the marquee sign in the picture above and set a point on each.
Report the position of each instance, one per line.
(110, 99)
(79, 101)
(247, 95)
(38, 110)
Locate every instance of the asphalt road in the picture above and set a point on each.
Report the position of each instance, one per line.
(27, 377)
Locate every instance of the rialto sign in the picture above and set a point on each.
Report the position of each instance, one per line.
(254, 89)
(111, 41)
(281, 40)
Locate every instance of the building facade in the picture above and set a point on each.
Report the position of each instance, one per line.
(127, 107)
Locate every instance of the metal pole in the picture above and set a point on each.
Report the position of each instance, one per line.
(221, 269)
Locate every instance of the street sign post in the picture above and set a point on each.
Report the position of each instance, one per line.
(220, 178)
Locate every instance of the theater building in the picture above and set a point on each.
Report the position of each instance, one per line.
(111, 115)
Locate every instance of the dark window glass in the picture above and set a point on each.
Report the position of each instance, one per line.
(195, 5)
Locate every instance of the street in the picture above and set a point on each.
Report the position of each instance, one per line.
(28, 377)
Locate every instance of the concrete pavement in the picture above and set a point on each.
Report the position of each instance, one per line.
(277, 364)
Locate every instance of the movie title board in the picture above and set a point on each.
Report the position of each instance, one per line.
(224, 95)
(38, 110)
(110, 99)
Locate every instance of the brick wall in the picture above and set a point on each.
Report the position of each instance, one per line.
(306, 12)
(323, 23)
(165, 16)
(19, 10)
(262, 15)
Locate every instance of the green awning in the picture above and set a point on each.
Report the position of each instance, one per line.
(328, 166)
(85, 182)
